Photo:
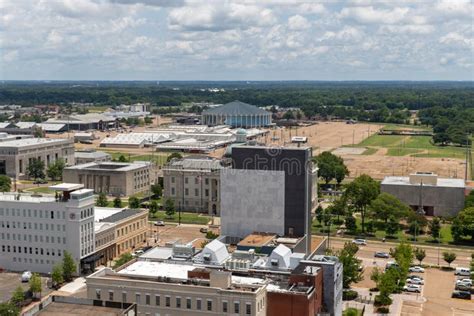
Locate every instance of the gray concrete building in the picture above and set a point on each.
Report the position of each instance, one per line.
(114, 178)
(193, 184)
(438, 196)
(16, 155)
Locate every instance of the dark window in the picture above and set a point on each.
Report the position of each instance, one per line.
(178, 302)
(248, 309)
(198, 304)
(157, 300)
(236, 308)
(224, 307)
(188, 303)
(168, 301)
(209, 305)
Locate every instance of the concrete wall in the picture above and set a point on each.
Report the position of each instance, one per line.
(252, 200)
(446, 201)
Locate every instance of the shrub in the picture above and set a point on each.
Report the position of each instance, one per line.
(383, 310)
(349, 295)
(382, 300)
(351, 312)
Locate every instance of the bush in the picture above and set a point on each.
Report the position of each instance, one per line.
(383, 310)
(382, 300)
(351, 311)
(349, 295)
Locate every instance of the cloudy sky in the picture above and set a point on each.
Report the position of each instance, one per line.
(236, 40)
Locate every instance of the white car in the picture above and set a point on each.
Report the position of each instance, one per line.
(137, 253)
(464, 281)
(412, 288)
(26, 276)
(360, 242)
(416, 269)
(415, 281)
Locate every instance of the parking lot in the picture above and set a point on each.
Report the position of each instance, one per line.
(183, 233)
(10, 281)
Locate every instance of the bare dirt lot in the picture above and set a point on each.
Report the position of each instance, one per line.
(182, 234)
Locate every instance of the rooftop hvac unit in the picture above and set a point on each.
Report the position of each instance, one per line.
(274, 262)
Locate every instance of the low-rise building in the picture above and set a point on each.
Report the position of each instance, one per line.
(437, 196)
(84, 122)
(36, 230)
(114, 178)
(16, 155)
(193, 184)
(86, 156)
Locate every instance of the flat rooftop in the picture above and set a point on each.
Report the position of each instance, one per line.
(68, 309)
(27, 197)
(442, 182)
(26, 142)
(112, 166)
(66, 186)
(257, 240)
(157, 269)
(102, 212)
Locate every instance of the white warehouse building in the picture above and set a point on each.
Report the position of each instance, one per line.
(36, 230)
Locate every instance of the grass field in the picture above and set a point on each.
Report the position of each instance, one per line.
(159, 159)
(381, 141)
(397, 127)
(402, 151)
(369, 151)
(186, 218)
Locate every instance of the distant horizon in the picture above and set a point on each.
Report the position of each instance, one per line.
(228, 80)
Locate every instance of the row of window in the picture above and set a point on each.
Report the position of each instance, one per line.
(33, 238)
(36, 226)
(36, 261)
(131, 227)
(32, 250)
(178, 302)
(47, 214)
(196, 180)
(87, 213)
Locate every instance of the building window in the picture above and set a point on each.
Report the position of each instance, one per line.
(124, 297)
(236, 307)
(97, 294)
(186, 191)
(209, 305)
(111, 295)
(172, 180)
(248, 309)
(172, 191)
(178, 302)
(137, 298)
(157, 300)
(147, 299)
(186, 180)
(188, 303)
(167, 301)
(206, 192)
(198, 304)
(224, 307)
(196, 192)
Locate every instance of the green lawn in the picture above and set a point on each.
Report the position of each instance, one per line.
(381, 141)
(352, 311)
(158, 158)
(370, 151)
(397, 127)
(45, 190)
(186, 218)
(402, 151)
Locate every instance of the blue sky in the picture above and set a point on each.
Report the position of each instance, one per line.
(236, 40)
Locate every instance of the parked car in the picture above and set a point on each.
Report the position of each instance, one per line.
(360, 242)
(467, 281)
(414, 277)
(146, 248)
(203, 230)
(391, 264)
(138, 253)
(412, 288)
(415, 281)
(462, 271)
(463, 287)
(26, 276)
(159, 223)
(461, 294)
(381, 254)
(417, 269)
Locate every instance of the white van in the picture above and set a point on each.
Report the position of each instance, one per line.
(462, 271)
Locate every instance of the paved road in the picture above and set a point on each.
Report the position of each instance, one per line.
(366, 253)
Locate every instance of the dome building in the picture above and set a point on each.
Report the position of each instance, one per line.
(237, 114)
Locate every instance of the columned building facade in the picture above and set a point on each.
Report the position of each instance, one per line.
(237, 114)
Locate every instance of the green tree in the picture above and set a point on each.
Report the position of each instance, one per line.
(117, 202)
(5, 183)
(69, 267)
(153, 206)
(133, 202)
(156, 189)
(463, 224)
(403, 254)
(35, 169)
(148, 120)
(386, 206)
(122, 158)
(449, 257)
(289, 115)
(392, 226)
(35, 284)
(174, 155)
(350, 269)
(350, 223)
(360, 193)
(376, 275)
(101, 200)
(435, 228)
(420, 254)
(55, 170)
(18, 296)
(387, 285)
(9, 309)
(169, 208)
(57, 274)
(469, 201)
(124, 258)
(331, 167)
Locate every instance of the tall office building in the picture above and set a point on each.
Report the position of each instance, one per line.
(36, 230)
(268, 190)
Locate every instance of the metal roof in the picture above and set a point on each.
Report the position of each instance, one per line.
(117, 217)
(236, 108)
